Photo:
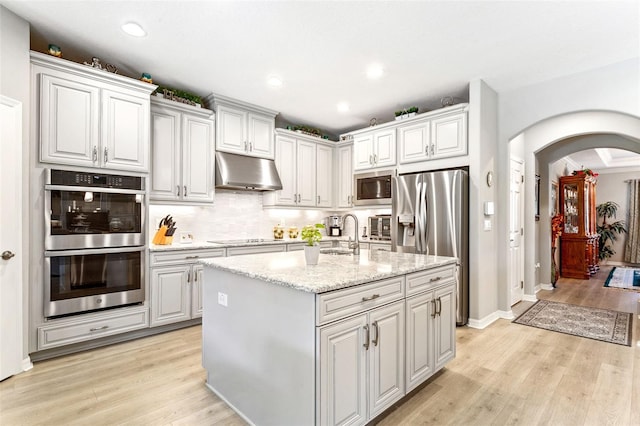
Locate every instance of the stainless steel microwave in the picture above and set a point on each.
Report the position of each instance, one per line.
(372, 188)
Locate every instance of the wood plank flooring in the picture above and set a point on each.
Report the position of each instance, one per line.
(506, 374)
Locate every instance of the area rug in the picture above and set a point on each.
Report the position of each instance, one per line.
(593, 323)
(625, 278)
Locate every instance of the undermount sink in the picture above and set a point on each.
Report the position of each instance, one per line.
(336, 251)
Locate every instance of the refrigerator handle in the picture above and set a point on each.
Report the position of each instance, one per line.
(418, 218)
(425, 216)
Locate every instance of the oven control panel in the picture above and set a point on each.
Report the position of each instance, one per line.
(98, 180)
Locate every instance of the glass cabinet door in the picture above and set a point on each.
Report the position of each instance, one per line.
(570, 209)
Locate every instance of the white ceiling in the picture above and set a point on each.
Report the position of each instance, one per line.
(321, 48)
(601, 159)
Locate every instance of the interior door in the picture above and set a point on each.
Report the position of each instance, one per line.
(516, 251)
(10, 238)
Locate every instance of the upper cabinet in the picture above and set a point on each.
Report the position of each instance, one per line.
(90, 117)
(439, 134)
(182, 152)
(305, 166)
(374, 149)
(243, 128)
(344, 173)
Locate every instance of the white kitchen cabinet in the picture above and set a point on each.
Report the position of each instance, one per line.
(345, 176)
(242, 128)
(305, 169)
(324, 176)
(430, 322)
(361, 365)
(240, 251)
(374, 149)
(434, 135)
(182, 153)
(380, 246)
(91, 118)
(176, 285)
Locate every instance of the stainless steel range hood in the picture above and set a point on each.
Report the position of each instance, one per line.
(235, 171)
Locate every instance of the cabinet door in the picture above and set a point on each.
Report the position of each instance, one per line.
(384, 148)
(231, 130)
(449, 135)
(125, 131)
(445, 325)
(170, 297)
(260, 138)
(197, 159)
(363, 152)
(166, 181)
(286, 165)
(69, 129)
(342, 372)
(306, 173)
(414, 142)
(324, 176)
(386, 357)
(345, 177)
(196, 290)
(420, 339)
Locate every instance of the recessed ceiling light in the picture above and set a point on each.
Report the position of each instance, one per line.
(343, 107)
(274, 81)
(133, 29)
(375, 71)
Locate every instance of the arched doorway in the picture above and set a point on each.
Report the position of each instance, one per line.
(545, 142)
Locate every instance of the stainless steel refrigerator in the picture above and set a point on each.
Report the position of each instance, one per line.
(430, 213)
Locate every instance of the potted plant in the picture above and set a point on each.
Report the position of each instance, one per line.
(608, 232)
(312, 236)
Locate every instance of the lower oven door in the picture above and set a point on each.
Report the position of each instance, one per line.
(85, 280)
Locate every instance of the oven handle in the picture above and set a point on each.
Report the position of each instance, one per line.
(49, 187)
(80, 252)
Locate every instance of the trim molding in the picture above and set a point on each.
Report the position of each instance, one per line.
(27, 364)
(483, 322)
(530, 298)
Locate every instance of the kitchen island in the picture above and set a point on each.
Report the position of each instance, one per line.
(290, 344)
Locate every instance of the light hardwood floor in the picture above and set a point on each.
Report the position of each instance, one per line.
(506, 374)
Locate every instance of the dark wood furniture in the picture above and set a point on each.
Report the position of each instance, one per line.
(579, 239)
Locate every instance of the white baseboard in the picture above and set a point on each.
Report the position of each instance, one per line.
(545, 286)
(484, 322)
(506, 314)
(529, 298)
(27, 364)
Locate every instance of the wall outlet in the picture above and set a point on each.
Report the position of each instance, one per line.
(487, 224)
(222, 299)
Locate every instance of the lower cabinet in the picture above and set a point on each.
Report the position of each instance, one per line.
(362, 365)
(431, 322)
(176, 285)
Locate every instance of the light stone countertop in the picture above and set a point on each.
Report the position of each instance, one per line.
(199, 245)
(332, 272)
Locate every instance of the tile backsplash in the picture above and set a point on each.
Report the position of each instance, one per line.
(240, 215)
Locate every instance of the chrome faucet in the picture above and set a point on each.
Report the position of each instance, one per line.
(354, 245)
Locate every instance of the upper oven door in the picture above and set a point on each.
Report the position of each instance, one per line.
(88, 217)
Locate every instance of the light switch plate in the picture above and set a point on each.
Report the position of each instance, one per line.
(487, 224)
(222, 299)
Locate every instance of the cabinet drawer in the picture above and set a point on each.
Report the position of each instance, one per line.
(379, 246)
(237, 251)
(69, 332)
(183, 256)
(342, 303)
(429, 279)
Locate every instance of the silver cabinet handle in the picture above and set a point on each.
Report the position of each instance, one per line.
(375, 158)
(366, 337)
(106, 154)
(95, 153)
(177, 190)
(426, 150)
(318, 199)
(432, 149)
(366, 299)
(434, 279)
(435, 312)
(195, 277)
(371, 159)
(377, 338)
(439, 306)
(192, 257)
(245, 146)
(250, 146)
(188, 276)
(185, 190)
(6, 255)
(104, 327)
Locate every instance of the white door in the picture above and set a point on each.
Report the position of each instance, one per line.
(196, 290)
(231, 130)
(166, 183)
(414, 142)
(10, 237)
(363, 152)
(386, 357)
(516, 252)
(260, 136)
(345, 177)
(342, 372)
(286, 165)
(449, 136)
(324, 175)
(419, 323)
(197, 159)
(384, 148)
(445, 325)
(170, 297)
(125, 131)
(306, 173)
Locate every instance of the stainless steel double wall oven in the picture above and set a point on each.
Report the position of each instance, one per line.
(94, 241)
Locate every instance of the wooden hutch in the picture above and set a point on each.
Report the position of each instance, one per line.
(579, 239)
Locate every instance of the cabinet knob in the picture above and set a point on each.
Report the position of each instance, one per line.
(6, 255)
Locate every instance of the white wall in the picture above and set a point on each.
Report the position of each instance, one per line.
(546, 112)
(612, 187)
(14, 83)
